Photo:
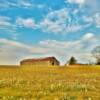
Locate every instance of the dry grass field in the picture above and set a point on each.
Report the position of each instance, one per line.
(50, 83)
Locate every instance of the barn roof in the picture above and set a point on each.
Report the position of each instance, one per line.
(39, 59)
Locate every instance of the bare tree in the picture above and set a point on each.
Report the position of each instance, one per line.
(96, 54)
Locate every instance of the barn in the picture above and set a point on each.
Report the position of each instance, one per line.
(47, 61)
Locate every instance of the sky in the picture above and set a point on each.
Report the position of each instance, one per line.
(42, 28)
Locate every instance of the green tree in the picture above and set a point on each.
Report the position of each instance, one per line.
(72, 61)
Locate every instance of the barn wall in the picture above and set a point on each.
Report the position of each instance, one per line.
(38, 63)
(51, 62)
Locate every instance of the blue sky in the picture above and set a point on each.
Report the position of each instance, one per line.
(38, 28)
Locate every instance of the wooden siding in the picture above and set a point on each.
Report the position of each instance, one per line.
(48, 62)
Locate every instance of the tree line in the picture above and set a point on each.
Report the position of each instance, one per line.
(95, 53)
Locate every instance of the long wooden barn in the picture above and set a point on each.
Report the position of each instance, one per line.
(47, 61)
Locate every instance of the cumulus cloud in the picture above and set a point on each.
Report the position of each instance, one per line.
(88, 36)
(77, 44)
(11, 52)
(88, 19)
(93, 20)
(76, 1)
(64, 49)
(26, 4)
(92, 7)
(61, 21)
(97, 19)
(4, 21)
(89, 7)
(54, 21)
(28, 23)
(7, 27)
(8, 4)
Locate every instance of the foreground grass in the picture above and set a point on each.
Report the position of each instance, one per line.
(50, 83)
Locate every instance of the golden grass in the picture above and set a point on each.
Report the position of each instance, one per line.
(50, 83)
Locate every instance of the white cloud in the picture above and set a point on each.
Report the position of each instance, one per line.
(64, 49)
(93, 20)
(61, 21)
(19, 45)
(28, 23)
(88, 19)
(50, 26)
(88, 36)
(54, 21)
(74, 28)
(92, 7)
(86, 6)
(7, 27)
(97, 20)
(54, 44)
(24, 3)
(11, 52)
(4, 21)
(19, 3)
(27, 4)
(13, 43)
(76, 1)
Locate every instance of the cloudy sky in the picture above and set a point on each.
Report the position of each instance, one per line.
(39, 28)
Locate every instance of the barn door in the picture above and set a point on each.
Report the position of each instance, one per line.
(52, 63)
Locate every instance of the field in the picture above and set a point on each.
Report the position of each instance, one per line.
(50, 83)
